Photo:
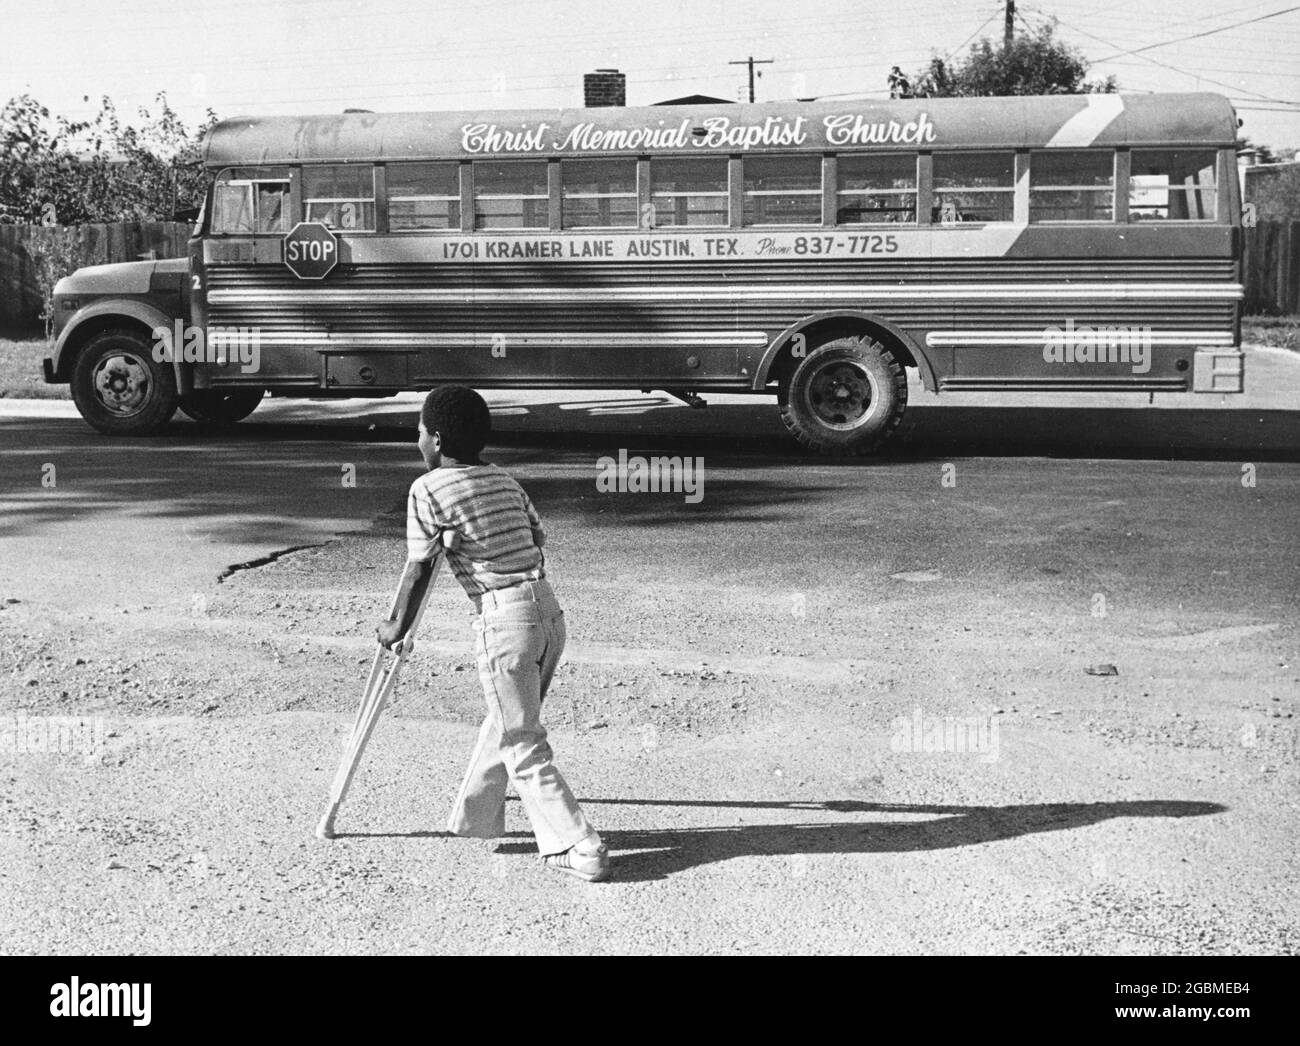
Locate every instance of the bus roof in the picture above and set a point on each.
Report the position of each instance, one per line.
(1050, 121)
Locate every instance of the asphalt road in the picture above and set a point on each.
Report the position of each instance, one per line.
(752, 684)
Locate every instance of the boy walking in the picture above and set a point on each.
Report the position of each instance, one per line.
(519, 633)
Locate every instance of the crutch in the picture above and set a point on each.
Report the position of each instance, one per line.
(379, 686)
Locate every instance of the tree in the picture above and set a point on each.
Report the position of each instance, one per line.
(1263, 153)
(53, 170)
(1034, 63)
(1277, 196)
(1274, 192)
(35, 160)
(159, 158)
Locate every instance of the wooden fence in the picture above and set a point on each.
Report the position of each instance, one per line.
(1271, 269)
(69, 247)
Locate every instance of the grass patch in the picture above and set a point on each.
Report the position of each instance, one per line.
(20, 370)
(1279, 332)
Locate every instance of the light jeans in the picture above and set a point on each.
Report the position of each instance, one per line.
(518, 637)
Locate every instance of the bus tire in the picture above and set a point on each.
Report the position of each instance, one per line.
(118, 386)
(219, 407)
(846, 397)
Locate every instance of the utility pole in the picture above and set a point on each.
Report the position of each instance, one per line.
(751, 61)
(1010, 26)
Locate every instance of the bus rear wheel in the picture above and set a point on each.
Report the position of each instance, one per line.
(119, 388)
(846, 397)
(221, 406)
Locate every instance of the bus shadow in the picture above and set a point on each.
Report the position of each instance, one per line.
(741, 432)
(643, 854)
(279, 464)
(1179, 434)
(242, 486)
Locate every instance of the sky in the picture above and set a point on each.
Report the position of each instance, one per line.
(265, 57)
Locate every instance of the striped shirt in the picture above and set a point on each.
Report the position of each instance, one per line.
(501, 533)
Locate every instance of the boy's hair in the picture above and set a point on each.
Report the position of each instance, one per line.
(461, 418)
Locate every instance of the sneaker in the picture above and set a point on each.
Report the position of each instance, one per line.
(591, 867)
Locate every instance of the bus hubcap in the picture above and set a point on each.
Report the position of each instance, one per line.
(841, 394)
(122, 383)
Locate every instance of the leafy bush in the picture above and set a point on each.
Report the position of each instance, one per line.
(1035, 63)
(56, 253)
(1277, 196)
(55, 171)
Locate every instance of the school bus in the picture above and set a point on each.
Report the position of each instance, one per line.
(814, 251)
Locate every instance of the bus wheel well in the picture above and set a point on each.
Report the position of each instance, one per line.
(89, 329)
(819, 332)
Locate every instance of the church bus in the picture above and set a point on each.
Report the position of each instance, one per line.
(814, 251)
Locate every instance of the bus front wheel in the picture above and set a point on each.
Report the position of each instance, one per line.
(221, 406)
(845, 397)
(118, 386)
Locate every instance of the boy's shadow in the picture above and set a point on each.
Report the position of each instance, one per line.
(655, 853)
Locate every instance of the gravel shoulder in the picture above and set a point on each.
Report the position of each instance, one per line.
(730, 710)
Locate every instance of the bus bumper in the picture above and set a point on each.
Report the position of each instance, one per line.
(1219, 370)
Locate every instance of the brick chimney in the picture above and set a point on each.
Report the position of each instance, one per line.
(604, 87)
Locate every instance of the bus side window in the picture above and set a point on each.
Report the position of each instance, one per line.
(232, 208)
(1172, 185)
(511, 194)
(341, 196)
(980, 187)
(598, 194)
(689, 191)
(1072, 185)
(251, 200)
(783, 190)
(880, 188)
(423, 196)
(272, 207)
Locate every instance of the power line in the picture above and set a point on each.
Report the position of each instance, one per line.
(1153, 14)
(337, 88)
(1197, 36)
(1124, 13)
(1166, 65)
(972, 35)
(419, 54)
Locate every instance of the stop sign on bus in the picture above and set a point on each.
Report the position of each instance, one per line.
(310, 250)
